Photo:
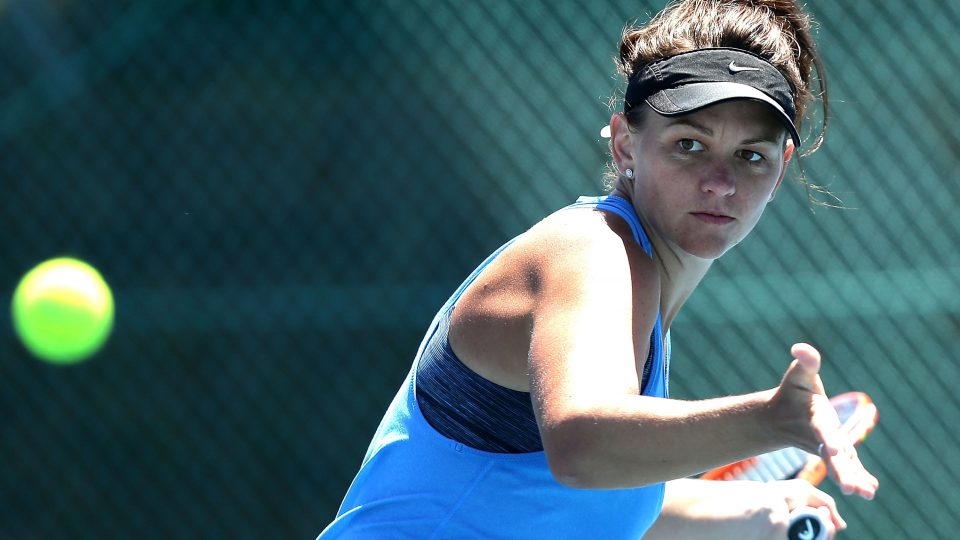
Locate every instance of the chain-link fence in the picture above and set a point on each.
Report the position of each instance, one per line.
(282, 193)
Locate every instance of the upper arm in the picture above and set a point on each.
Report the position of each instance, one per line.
(591, 325)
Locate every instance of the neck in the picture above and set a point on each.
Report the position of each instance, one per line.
(680, 272)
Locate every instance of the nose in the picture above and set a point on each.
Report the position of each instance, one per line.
(718, 180)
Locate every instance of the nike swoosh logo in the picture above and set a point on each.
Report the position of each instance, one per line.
(734, 68)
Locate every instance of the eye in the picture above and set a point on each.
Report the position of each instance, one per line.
(690, 145)
(751, 156)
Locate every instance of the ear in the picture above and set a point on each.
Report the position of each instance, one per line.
(787, 154)
(622, 142)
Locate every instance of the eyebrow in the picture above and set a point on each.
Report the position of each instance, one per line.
(686, 121)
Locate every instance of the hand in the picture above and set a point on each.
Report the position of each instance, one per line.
(802, 413)
(792, 494)
(738, 509)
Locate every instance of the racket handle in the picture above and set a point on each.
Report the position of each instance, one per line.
(806, 524)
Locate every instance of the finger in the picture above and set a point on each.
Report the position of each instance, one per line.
(853, 476)
(828, 522)
(850, 475)
(827, 506)
(867, 485)
(818, 385)
(803, 371)
(807, 355)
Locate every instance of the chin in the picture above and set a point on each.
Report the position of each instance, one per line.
(707, 250)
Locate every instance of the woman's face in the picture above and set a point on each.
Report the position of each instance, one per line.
(702, 180)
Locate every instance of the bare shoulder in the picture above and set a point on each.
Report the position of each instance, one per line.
(591, 268)
(570, 258)
(587, 243)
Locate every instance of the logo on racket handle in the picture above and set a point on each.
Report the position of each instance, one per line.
(806, 524)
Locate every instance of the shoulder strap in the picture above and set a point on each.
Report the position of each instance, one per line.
(623, 208)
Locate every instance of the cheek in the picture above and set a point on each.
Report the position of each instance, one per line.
(755, 211)
(759, 191)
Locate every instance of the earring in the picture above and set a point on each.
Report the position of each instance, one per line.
(628, 173)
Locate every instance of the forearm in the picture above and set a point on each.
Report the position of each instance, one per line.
(702, 509)
(637, 440)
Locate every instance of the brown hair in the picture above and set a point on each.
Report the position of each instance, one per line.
(777, 30)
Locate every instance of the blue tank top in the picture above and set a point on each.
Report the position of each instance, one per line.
(415, 483)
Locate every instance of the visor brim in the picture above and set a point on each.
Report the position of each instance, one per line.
(693, 97)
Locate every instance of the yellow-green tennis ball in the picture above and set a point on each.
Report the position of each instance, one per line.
(63, 310)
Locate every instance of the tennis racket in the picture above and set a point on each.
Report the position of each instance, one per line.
(858, 415)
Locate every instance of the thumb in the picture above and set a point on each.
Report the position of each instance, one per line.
(804, 370)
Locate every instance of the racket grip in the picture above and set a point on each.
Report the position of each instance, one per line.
(805, 523)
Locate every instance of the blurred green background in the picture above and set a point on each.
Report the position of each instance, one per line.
(283, 193)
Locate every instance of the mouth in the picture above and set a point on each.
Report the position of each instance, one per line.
(713, 217)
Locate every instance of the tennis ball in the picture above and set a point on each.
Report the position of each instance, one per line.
(62, 310)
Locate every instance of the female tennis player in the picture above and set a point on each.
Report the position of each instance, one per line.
(537, 405)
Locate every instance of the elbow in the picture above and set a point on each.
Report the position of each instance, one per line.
(568, 472)
(581, 454)
(571, 457)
